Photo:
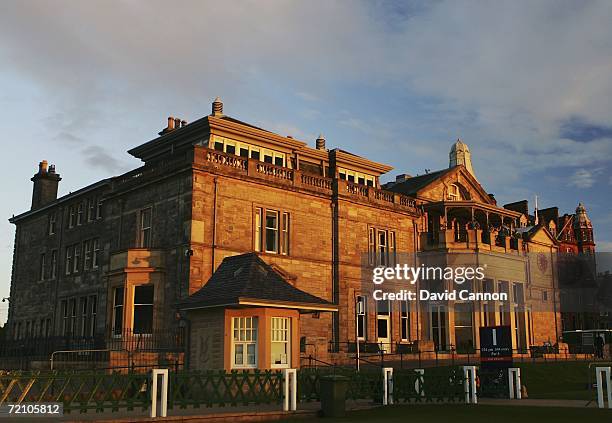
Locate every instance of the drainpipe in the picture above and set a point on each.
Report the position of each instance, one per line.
(214, 228)
(553, 269)
(57, 268)
(415, 242)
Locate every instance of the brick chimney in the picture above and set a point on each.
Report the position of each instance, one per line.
(46, 182)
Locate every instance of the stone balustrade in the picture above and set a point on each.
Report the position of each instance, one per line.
(223, 162)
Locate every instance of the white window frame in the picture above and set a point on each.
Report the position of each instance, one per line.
(68, 262)
(72, 316)
(118, 308)
(262, 152)
(275, 230)
(258, 228)
(280, 328)
(41, 270)
(368, 180)
(52, 223)
(382, 248)
(77, 258)
(83, 309)
(363, 318)
(87, 254)
(380, 254)
(149, 331)
(91, 209)
(454, 193)
(53, 273)
(250, 332)
(99, 209)
(405, 321)
(71, 217)
(95, 256)
(145, 229)
(284, 233)
(93, 312)
(64, 310)
(80, 213)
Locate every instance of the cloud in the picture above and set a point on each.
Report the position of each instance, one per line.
(603, 246)
(579, 130)
(583, 178)
(526, 84)
(98, 157)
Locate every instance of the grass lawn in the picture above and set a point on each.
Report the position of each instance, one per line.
(562, 380)
(471, 414)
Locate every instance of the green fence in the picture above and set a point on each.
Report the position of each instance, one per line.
(97, 391)
(221, 388)
(438, 384)
(78, 391)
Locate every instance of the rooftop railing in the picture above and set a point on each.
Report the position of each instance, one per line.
(225, 162)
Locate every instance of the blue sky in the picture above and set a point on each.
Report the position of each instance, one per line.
(527, 85)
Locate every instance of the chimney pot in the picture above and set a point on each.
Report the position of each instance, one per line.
(320, 142)
(170, 123)
(183, 123)
(217, 107)
(42, 167)
(51, 168)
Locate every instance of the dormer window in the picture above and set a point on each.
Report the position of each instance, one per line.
(454, 194)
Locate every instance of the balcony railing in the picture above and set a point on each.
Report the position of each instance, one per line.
(275, 171)
(229, 160)
(284, 175)
(461, 239)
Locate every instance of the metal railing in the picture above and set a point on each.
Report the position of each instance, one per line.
(407, 355)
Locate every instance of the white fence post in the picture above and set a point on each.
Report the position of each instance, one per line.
(290, 389)
(514, 382)
(387, 385)
(469, 384)
(164, 393)
(418, 383)
(600, 386)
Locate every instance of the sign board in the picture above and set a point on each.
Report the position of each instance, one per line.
(496, 346)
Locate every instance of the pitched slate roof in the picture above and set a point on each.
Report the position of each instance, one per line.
(246, 279)
(412, 185)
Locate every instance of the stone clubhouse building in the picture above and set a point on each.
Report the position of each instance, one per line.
(258, 244)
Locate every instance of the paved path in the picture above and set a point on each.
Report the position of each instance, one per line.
(252, 413)
(270, 412)
(532, 402)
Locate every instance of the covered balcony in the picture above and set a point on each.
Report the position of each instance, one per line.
(468, 225)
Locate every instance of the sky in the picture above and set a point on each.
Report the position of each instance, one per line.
(527, 85)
